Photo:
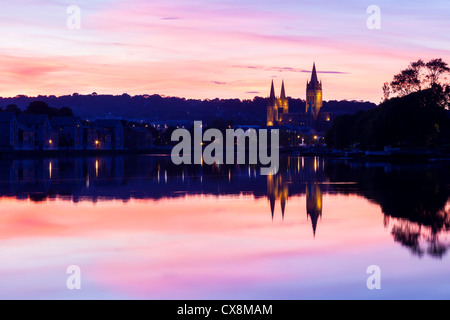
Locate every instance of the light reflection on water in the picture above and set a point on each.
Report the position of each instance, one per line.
(140, 227)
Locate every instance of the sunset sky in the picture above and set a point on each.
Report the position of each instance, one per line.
(211, 48)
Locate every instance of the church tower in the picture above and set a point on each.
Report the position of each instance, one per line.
(313, 95)
(276, 107)
(272, 110)
(283, 102)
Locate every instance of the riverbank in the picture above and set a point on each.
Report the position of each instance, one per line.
(389, 154)
(442, 154)
(32, 154)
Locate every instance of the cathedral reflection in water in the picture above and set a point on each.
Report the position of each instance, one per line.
(278, 188)
(414, 198)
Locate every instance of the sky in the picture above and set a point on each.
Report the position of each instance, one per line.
(208, 49)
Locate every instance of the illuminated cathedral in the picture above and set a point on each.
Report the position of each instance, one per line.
(278, 108)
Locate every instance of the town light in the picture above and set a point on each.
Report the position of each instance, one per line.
(97, 142)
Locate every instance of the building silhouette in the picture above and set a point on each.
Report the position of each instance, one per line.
(9, 131)
(70, 131)
(35, 132)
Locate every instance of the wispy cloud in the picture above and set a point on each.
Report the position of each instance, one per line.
(194, 48)
(287, 69)
(218, 82)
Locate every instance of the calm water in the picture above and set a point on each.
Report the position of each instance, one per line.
(142, 228)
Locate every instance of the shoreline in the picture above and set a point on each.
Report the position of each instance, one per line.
(406, 155)
(35, 154)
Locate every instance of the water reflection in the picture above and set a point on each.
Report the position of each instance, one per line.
(314, 200)
(277, 190)
(413, 197)
(305, 176)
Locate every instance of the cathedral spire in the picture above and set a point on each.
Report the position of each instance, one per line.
(283, 93)
(272, 92)
(272, 206)
(314, 79)
(283, 206)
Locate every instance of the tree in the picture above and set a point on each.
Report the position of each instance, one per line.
(417, 119)
(419, 76)
(436, 68)
(408, 80)
(65, 112)
(386, 91)
(40, 107)
(13, 108)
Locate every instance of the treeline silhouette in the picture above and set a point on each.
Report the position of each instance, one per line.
(158, 108)
(40, 107)
(417, 116)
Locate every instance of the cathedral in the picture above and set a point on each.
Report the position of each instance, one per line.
(278, 108)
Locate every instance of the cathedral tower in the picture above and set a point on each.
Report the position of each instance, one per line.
(313, 95)
(276, 107)
(272, 110)
(283, 102)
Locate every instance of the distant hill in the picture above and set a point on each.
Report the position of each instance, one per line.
(157, 108)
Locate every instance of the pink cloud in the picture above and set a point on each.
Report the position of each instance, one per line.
(185, 48)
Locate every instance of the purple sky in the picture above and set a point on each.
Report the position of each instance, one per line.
(210, 48)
